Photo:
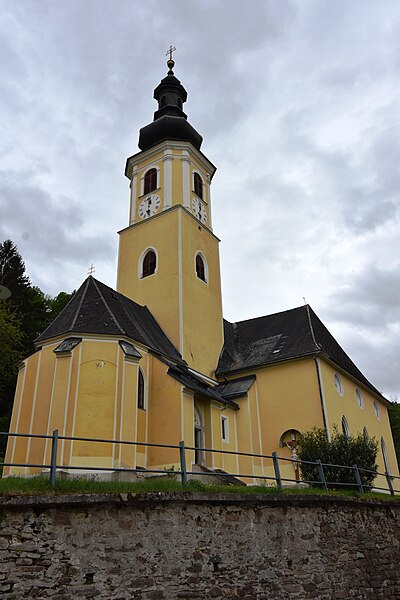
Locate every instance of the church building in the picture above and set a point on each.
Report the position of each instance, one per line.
(155, 362)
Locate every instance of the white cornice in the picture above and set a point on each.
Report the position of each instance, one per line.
(135, 159)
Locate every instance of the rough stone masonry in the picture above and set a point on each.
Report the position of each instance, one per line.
(162, 546)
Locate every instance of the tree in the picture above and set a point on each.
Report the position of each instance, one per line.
(394, 417)
(357, 450)
(23, 317)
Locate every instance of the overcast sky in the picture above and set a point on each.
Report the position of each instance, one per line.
(298, 104)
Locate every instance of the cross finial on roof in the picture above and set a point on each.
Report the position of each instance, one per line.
(91, 269)
(170, 61)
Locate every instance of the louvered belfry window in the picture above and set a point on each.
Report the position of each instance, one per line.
(150, 181)
(198, 185)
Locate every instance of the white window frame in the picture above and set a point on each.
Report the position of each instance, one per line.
(203, 198)
(148, 168)
(359, 398)
(199, 253)
(141, 259)
(345, 427)
(339, 387)
(377, 410)
(225, 429)
(140, 370)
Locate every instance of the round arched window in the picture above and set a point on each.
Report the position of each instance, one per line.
(376, 410)
(149, 263)
(201, 269)
(345, 427)
(198, 185)
(359, 398)
(337, 380)
(140, 390)
(150, 181)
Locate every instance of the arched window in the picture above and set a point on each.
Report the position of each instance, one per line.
(345, 427)
(163, 101)
(200, 268)
(149, 263)
(337, 380)
(150, 181)
(140, 390)
(180, 103)
(198, 185)
(385, 456)
(359, 398)
(376, 410)
(365, 433)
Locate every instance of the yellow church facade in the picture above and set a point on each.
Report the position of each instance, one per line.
(154, 362)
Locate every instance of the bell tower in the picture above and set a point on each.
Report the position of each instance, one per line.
(168, 254)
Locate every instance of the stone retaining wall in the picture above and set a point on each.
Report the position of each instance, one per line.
(199, 546)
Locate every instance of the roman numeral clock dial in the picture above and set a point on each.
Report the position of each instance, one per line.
(149, 206)
(199, 210)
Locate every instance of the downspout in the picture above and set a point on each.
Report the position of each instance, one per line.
(321, 395)
(319, 377)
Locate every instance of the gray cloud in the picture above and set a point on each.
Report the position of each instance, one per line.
(298, 104)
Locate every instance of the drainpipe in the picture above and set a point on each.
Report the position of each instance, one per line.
(321, 395)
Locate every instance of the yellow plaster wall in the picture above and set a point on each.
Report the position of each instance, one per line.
(202, 303)
(160, 292)
(14, 423)
(289, 398)
(93, 406)
(177, 179)
(357, 418)
(165, 426)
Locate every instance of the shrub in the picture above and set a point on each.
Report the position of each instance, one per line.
(357, 450)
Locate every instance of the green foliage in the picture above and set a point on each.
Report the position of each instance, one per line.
(23, 317)
(341, 450)
(394, 416)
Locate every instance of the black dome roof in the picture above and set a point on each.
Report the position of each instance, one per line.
(170, 122)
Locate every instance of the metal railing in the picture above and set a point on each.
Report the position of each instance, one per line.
(278, 480)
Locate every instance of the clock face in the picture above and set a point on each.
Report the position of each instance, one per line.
(199, 210)
(149, 206)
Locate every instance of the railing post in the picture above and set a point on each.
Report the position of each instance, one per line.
(322, 474)
(277, 471)
(358, 479)
(53, 460)
(389, 482)
(182, 456)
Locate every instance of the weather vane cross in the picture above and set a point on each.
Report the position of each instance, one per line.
(91, 269)
(170, 51)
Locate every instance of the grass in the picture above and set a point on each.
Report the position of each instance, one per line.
(41, 486)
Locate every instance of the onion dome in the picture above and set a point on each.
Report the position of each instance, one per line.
(170, 122)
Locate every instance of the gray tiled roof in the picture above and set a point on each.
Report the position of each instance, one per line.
(282, 336)
(96, 308)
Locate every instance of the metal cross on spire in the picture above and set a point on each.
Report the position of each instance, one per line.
(91, 270)
(170, 61)
(170, 51)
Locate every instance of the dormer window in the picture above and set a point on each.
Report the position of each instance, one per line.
(150, 181)
(149, 264)
(198, 185)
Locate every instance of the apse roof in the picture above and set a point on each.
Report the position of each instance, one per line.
(96, 308)
(282, 336)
